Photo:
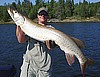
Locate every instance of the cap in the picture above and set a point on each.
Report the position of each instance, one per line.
(43, 8)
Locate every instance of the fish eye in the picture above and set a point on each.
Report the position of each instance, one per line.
(15, 11)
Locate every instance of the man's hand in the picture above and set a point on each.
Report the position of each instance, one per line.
(50, 44)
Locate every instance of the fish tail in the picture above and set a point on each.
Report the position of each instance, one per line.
(85, 65)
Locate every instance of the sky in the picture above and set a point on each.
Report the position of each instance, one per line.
(33, 1)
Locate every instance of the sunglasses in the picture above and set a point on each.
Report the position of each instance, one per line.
(43, 13)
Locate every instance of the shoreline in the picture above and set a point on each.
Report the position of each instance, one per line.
(74, 19)
(67, 20)
(11, 22)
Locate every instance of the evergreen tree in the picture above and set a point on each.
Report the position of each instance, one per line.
(62, 8)
(26, 6)
(39, 3)
(57, 9)
(98, 10)
(14, 5)
(60, 11)
(32, 13)
(5, 14)
(68, 8)
(76, 10)
(52, 3)
(98, 13)
(1, 13)
(27, 1)
(19, 5)
(52, 9)
(84, 9)
(72, 7)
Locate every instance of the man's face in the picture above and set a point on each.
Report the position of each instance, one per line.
(42, 16)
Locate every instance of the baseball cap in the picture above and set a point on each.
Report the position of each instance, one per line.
(42, 9)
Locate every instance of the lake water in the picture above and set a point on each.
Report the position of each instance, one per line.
(11, 51)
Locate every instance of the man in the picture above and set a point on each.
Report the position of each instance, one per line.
(37, 61)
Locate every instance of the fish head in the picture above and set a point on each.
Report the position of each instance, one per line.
(17, 17)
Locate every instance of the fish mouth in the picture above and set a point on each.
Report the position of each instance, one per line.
(15, 14)
(11, 9)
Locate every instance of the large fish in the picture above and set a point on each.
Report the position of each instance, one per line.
(42, 33)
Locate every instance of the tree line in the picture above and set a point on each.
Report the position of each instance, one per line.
(57, 9)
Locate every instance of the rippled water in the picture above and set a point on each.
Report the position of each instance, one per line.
(11, 51)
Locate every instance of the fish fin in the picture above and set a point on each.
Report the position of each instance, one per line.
(78, 42)
(85, 65)
(70, 58)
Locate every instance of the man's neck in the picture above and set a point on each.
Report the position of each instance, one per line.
(42, 23)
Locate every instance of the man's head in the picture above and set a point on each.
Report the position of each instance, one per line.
(42, 14)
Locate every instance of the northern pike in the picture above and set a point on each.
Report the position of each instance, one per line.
(43, 33)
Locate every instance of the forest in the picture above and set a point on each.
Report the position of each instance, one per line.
(60, 9)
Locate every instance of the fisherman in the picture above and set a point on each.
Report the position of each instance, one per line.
(37, 60)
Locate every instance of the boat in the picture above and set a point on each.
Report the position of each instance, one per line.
(7, 71)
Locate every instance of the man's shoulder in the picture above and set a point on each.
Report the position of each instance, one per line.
(49, 26)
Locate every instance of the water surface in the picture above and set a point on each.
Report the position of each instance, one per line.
(11, 51)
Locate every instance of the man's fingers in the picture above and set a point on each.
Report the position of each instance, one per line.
(48, 44)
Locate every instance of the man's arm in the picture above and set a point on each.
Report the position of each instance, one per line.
(21, 35)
